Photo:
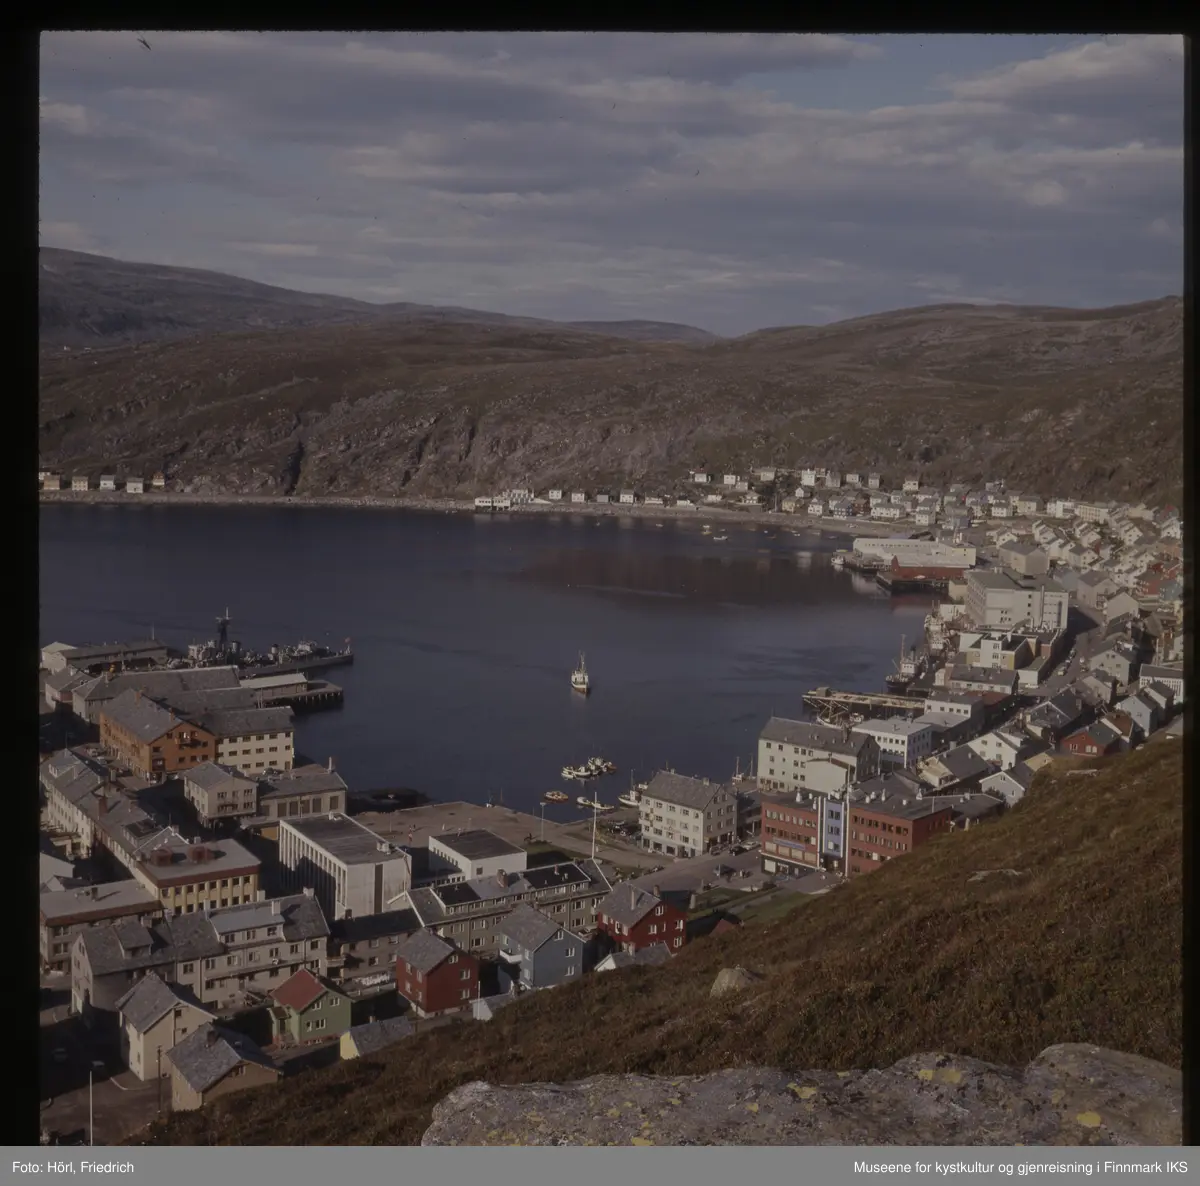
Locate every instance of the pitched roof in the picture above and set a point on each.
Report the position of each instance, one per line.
(299, 990)
(139, 715)
(237, 722)
(627, 904)
(209, 1053)
(150, 1000)
(423, 951)
(656, 953)
(528, 927)
(683, 789)
(815, 736)
(376, 1035)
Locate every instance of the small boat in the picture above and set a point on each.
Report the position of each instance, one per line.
(569, 772)
(630, 799)
(556, 797)
(719, 538)
(579, 678)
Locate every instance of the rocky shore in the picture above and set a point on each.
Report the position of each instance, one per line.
(727, 517)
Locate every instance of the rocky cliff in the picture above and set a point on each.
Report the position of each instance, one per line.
(1088, 403)
(1069, 1095)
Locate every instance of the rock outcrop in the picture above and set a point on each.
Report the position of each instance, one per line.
(1069, 1095)
(731, 980)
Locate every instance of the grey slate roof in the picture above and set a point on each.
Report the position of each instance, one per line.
(150, 1000)
(377, 1035)
(627, 904)
(375, 926)
(209, 776)
(813, 736)
(529, 928)
(300, 780)
(963, 762)
(160, 683)
(683, 790)
(655, 954)
(144, 718)
(424, 951)
(238, 722)
(208, 1054)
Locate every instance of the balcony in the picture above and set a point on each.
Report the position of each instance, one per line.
(509, 957)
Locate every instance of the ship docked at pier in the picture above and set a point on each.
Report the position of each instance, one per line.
(223, 651)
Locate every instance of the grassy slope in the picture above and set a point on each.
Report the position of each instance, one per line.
(1085, 946)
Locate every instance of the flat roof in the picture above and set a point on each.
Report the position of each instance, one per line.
(475, 845)
(97, 901)
(344, 839)
(897, 727)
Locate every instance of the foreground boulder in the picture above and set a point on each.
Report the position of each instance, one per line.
(1069, 1095)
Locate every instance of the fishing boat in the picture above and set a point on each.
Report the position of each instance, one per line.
(569, 772)
(579, 678)
(719, 538)
(630, 798)
(556, 797)
(594, 804)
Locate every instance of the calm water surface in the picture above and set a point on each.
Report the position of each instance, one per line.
(466, 629)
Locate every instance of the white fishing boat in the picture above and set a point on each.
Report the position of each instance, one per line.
(719, 538)
(579, 678)
(569, 772)
(556, 797)
(630, 798)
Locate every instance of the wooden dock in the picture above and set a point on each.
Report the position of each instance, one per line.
(837, 707)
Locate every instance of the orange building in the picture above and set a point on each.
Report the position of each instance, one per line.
(150, 739)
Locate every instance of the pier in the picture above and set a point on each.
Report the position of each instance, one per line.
(303, 665)
(837, 707)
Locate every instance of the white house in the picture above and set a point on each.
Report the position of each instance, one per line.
(108, 481)
(556, 494)
(766, 475)
(854, 478)
(578, 496)
(135, 485)
(701, 479)
(901, 742)
(730, 480)
(911, 485)
(79, 482)
(873, 481)
(808, 477)
(889, 511)
(627, 497)
(833, 480)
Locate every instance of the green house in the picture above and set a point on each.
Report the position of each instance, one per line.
(306, 1009)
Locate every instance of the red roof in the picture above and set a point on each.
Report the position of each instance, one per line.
(299, 990)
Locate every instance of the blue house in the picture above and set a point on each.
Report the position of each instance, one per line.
(537, 952)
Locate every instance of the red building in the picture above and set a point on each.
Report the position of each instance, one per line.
(632, 919)
(926, 572)
(434, 976)
(791, 834)
(887, 825)
(1096, 741)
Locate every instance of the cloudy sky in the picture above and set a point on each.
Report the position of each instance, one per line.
(730, 182)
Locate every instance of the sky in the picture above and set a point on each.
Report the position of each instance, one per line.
(731, 182)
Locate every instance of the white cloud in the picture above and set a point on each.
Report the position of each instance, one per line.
(599, 174)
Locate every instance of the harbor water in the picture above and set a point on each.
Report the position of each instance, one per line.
(466, 629)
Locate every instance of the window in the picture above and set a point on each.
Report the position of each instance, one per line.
(465, 994)
(188, 969)
(658, 909)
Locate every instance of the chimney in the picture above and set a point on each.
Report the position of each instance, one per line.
(502, 879)
(656, 891)
(329, 765)
(210, 1038)
(309, 892)
(274, 905)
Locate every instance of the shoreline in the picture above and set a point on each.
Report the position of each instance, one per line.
(731, 517)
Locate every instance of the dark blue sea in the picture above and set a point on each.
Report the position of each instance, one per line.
(466, 629)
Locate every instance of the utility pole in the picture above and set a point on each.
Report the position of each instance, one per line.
(91, 1111)
(595, 816)
(160, 1078)
(542, 831)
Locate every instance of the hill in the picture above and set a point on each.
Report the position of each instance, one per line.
(1079, 402)
(95, 301)
(938, 951)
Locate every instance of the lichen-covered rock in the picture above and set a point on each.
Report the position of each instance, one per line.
(1069, 1095)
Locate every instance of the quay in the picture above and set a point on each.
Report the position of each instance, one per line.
(835, 706)
(897, 584)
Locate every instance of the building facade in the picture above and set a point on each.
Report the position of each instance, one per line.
(683, 816)
(802, 756)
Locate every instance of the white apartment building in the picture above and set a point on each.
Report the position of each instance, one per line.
(253, 740)
(730, 480)
(802, 756)
(475, 853)
(352, 870)
(682, 816)
(1002, 599)
(901, 742)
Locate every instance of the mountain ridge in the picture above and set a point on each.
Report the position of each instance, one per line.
(1083, 403)
(87, 299)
